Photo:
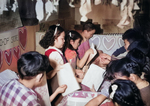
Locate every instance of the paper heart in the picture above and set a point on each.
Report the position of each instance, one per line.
(8, 56)
(96, 41)
(16, 52)
(108, 43)
(120, 42)
(1, 58)
(22, 37)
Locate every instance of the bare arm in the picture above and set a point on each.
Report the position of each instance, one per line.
(82, 62)
(60, 89)
(96, 101)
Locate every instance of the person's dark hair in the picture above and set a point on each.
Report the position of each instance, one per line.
(50, 36)
(71, 35)
(125, 93)
(89, 26)
(131, 35)
(139, 57)
(31, 64)
(122, 67)
(142, 45)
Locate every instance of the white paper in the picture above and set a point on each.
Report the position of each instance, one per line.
(92, 55)
(67, 76)
(93, 76)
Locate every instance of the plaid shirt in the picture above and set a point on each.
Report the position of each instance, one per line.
(14, 93)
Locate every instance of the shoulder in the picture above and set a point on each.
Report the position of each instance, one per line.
(21, 95)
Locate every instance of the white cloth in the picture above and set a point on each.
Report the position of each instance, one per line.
(55, 55)
(39, 10)
(84, 9)
(97, 2)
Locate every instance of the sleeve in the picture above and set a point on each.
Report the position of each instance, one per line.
(56, 57)
(119, 51)
(104, 90)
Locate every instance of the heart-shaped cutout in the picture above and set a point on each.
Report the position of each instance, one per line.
(120, 42)
(108, 43)
(8, 56)
(96, 41)
(22, 37)
(16, 52)
(1, 58)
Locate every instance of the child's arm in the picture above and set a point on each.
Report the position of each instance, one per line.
(81, 62)
(60, 89)
(96, 101)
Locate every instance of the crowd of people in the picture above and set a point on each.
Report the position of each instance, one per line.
(126, 79)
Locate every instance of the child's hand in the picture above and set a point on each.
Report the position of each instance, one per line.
(61, 89)
(79, 73)
(93, 89)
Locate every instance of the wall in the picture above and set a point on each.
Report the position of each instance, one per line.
(108, 16)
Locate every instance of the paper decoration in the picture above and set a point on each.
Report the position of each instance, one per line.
(39, 10)
(17, 52)
(22, 37)
(8, 56)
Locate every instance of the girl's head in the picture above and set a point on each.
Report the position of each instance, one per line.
(121, 69)
(88, 30)
(125, 93)
(139, 57)
(73, 40)
(53, 37)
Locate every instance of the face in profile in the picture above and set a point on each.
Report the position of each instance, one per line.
(126, 44)
(89, 34)
(59, 42)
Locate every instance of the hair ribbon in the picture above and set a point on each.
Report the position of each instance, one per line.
(56, 29)
(114, 88)
(70, 34)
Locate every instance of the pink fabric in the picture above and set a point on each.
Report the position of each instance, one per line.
(71, 57)
(108, 104)
(83, 48)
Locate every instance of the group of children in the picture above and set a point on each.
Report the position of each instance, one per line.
(126, 80)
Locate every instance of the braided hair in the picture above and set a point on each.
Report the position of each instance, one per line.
(126, 93)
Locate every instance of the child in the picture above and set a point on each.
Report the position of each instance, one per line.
(128, 37)
(53, 42)
(131, 68)
(73, 40)
(124, 93)
(87, 32)
(32, 68)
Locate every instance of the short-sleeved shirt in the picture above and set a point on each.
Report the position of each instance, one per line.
(14, 93)
(55, 55)
(145, 94)
(71, 57)
(83, 48)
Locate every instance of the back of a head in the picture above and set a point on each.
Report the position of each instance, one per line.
(89, 26)
(31, 64)
(131, 35)
(117, 67)
(125, 93)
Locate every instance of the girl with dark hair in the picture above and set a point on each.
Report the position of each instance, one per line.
(53, 42)
(131, 67)
(125, 93)
(72, 42)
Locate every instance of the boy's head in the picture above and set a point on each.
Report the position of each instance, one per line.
(89, 29)
(130, 36)
(32, 64)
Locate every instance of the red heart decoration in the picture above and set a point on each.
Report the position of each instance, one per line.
(1, 58)
(23, 37)
(8, 56)
(16, 52)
